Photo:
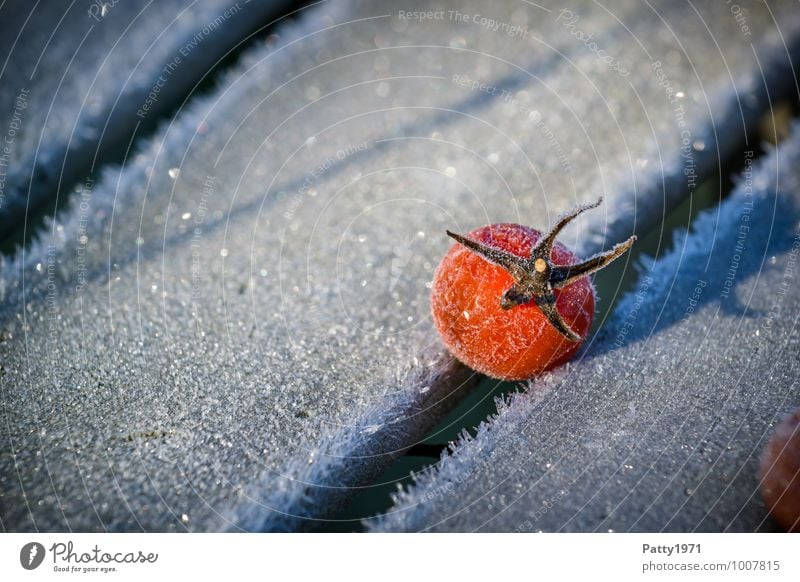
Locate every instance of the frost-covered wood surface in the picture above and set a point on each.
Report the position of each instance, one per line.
(660, 425)
(232, 330)
(83, 78)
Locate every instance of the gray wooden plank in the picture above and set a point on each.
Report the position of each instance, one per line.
(78, 81)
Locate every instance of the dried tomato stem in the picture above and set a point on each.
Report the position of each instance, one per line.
(536, 277)
(542, 248)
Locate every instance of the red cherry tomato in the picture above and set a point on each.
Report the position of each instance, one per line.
(780, 473)
(510, 302)
(512, 344)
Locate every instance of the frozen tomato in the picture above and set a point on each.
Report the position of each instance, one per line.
(511, 302)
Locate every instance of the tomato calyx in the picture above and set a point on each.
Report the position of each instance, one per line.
(536, 277)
